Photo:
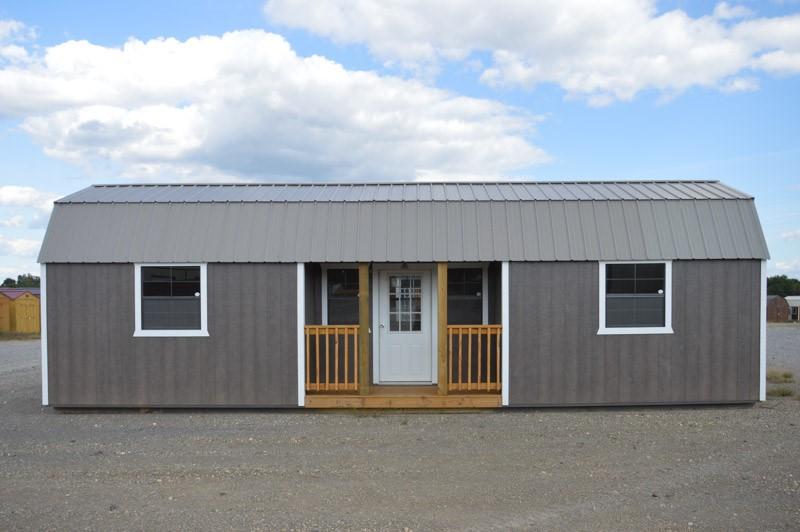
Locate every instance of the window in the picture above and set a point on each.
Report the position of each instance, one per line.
(795, 313)
(342, 292)
(635, 298)
(465, 296)
(170, 300)
(405, 303)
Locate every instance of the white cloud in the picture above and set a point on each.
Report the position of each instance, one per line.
(21, 247)
(602, 51)
(23, 196)
(789, 267)
(791, 235)
(245, 105)
(10, 29)
(20, 268)
(13, 221)
(726, 11)
(748, 84)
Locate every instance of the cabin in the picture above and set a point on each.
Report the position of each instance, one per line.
(778, 310)
(794, 308)
(21, 310)
(404, 295)
(5, 313)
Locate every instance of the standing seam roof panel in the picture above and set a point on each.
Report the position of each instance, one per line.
(403, 231)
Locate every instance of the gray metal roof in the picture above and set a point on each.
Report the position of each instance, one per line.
(441, 222)
(360, 192)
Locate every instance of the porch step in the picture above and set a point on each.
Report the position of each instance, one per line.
(404, 401)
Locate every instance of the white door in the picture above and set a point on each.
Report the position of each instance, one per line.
(404, 328)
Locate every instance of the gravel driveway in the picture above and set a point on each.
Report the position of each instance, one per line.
(720, 468)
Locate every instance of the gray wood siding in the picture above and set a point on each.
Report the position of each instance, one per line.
(249, 359)
(557, 358)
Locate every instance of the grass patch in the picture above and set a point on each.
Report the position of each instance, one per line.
(780, 391)
(775, 376)
(18, 336)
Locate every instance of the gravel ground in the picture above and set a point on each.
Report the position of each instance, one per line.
(783, 350)
(720, 468)
(19, 354)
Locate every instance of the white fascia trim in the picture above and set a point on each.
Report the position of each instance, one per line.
(301, 321)
(138, 332)
(43, 334)
(505, 306)
(666, 329)
(762, 335)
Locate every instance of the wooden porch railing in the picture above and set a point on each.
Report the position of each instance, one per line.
(474, 357)
(331, 358)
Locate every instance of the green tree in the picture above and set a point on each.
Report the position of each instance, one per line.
(9, 283)
(27, 280)
(780, 285)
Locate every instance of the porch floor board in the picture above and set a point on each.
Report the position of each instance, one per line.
(403, 397)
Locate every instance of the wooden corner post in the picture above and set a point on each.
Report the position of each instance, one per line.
(441, 301)
(363, 328)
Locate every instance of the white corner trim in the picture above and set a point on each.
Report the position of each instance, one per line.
(43, 333)
(505, 306)
(601, 301)
(161, 333)
(762, 335)
(301, 321)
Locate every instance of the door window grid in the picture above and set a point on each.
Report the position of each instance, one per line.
(405, 303)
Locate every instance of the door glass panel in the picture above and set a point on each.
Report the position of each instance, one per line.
(405, 303)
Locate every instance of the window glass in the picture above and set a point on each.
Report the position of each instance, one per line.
(171, 297)
(635, 295)
(465, 296)
(405, 303)
(342, 296)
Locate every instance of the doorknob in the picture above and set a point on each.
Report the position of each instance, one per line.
(381, 325)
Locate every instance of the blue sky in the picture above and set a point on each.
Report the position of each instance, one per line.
(700, 90)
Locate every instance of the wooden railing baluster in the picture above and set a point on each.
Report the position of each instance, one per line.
(488, 358)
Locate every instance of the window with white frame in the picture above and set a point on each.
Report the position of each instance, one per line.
(171, 300)
(635, 298)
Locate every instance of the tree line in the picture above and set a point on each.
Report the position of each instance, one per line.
(781, 285)
(26, 280)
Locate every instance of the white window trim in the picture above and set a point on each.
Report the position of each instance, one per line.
(666, 329)
(137, 282)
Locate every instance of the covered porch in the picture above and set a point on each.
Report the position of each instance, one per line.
(403, 335)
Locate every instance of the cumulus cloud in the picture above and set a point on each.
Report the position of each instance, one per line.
(244, 105)
(791, 235)
(13, 221)
(21, 247)
(602, 51)
(23, 196)
(789, 267)
(12, 31)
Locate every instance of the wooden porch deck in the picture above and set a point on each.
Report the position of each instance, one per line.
(404, 397)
